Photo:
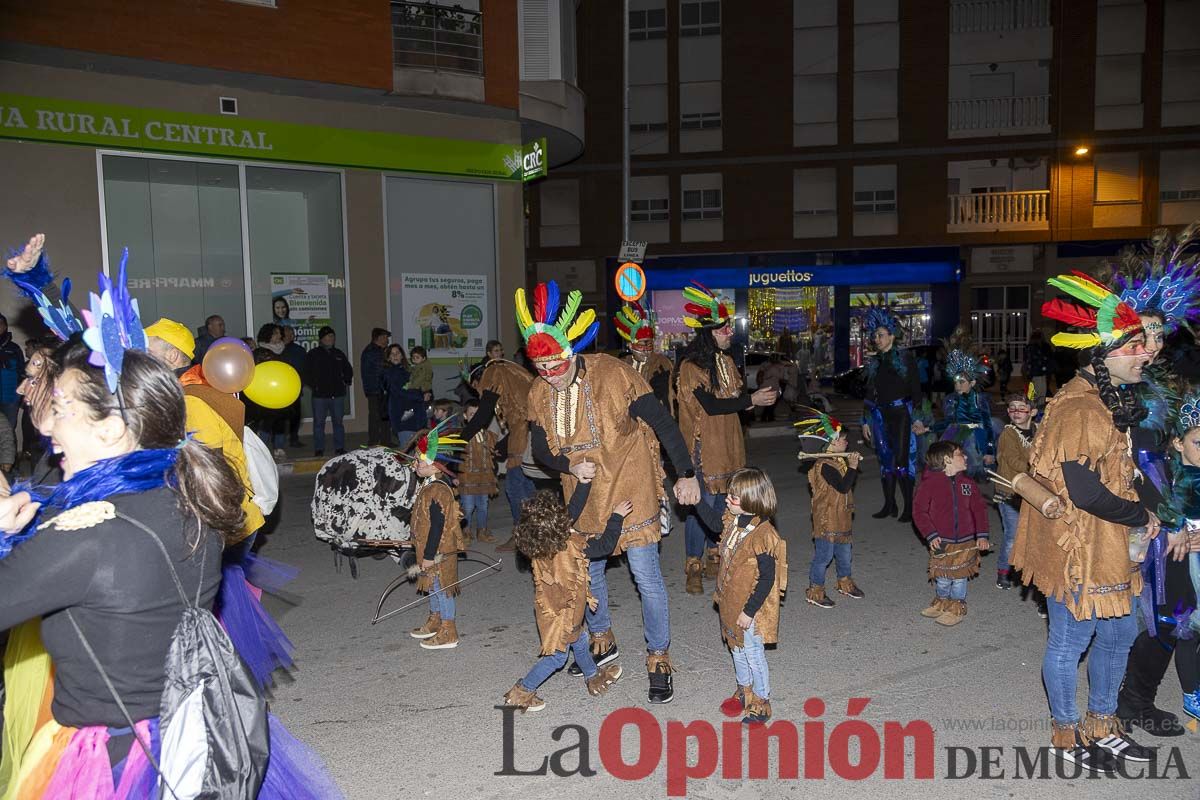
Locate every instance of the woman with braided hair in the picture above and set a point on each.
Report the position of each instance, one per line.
(711, 395)
(1081, 561)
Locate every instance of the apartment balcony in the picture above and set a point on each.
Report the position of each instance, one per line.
(999, 211)
(437, 50)
(989, 16)
(999, 116)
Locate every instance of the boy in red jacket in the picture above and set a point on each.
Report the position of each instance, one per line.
(952, 518)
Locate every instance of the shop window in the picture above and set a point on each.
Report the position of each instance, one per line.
(1000, 321)
(699, 18)
(182, 223)
(648, 24)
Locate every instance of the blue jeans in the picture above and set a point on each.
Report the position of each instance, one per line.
(517, 488)
(548, 665)
(952, 588)
(323, 407)
(475, 508)
(1068, 640)
(695, 535)
(750, 663)
(441, 603)
(656, 621)
(1009, 514)
(825, 551)
(275, 441)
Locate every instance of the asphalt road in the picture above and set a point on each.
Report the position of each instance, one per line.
(395, 721)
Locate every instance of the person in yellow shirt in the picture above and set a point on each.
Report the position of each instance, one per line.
(216, 419)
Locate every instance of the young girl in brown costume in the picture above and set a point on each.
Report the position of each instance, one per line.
(750, 582)
(560, 557)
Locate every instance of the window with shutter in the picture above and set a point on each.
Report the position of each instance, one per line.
(1118, 178)
(535, 40)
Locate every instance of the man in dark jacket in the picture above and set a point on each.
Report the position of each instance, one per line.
(12, 371)
(370, 370)
(327, 372)
(294, 355)
(214, 328)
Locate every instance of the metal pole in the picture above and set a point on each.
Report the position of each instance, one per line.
(625, 121)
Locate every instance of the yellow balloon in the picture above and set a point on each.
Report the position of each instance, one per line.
(276, 384)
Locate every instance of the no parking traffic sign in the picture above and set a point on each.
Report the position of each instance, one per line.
(631, 282)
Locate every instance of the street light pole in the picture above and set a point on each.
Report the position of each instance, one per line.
(625, 121)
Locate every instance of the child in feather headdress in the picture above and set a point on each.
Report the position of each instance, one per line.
(438, 537)
(832, 482)
(1183, 586)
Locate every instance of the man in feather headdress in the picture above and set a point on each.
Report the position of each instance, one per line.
(1162, 284)
(1081, 561)
(634, 326)
(893, 389)
(591, 417)
(711, 396)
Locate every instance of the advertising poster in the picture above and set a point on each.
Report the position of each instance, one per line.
(300, 300)
(445, 314)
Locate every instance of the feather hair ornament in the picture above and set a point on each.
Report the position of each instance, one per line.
(114, 325)
(814, 424)
(1162, 276)
(703, 309)
(1112, 320)
(880, 314)
(437, 445)
(549, 339)
(633, 324)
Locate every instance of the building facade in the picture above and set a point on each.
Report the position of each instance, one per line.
(946, 155)
(227, 143)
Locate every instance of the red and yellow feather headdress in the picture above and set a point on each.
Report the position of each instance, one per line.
(1110, 322)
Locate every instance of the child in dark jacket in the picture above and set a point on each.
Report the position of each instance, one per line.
(950, 514)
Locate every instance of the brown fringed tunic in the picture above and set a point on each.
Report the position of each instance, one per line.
(832, 510)
(716, 441)
(561, 593)
(477, 476)
(437, 491)
(738, 576)
(511, 384)
(656, 369)
(591, 421)
(1079, 553)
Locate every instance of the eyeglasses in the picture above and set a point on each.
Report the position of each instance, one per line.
(553, 372)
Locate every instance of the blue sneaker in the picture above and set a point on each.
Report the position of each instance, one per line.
(1191, 704)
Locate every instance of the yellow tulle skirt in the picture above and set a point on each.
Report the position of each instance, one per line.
(29, 688)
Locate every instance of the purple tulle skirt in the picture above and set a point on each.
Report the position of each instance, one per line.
(258, 639)
(294, 771)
